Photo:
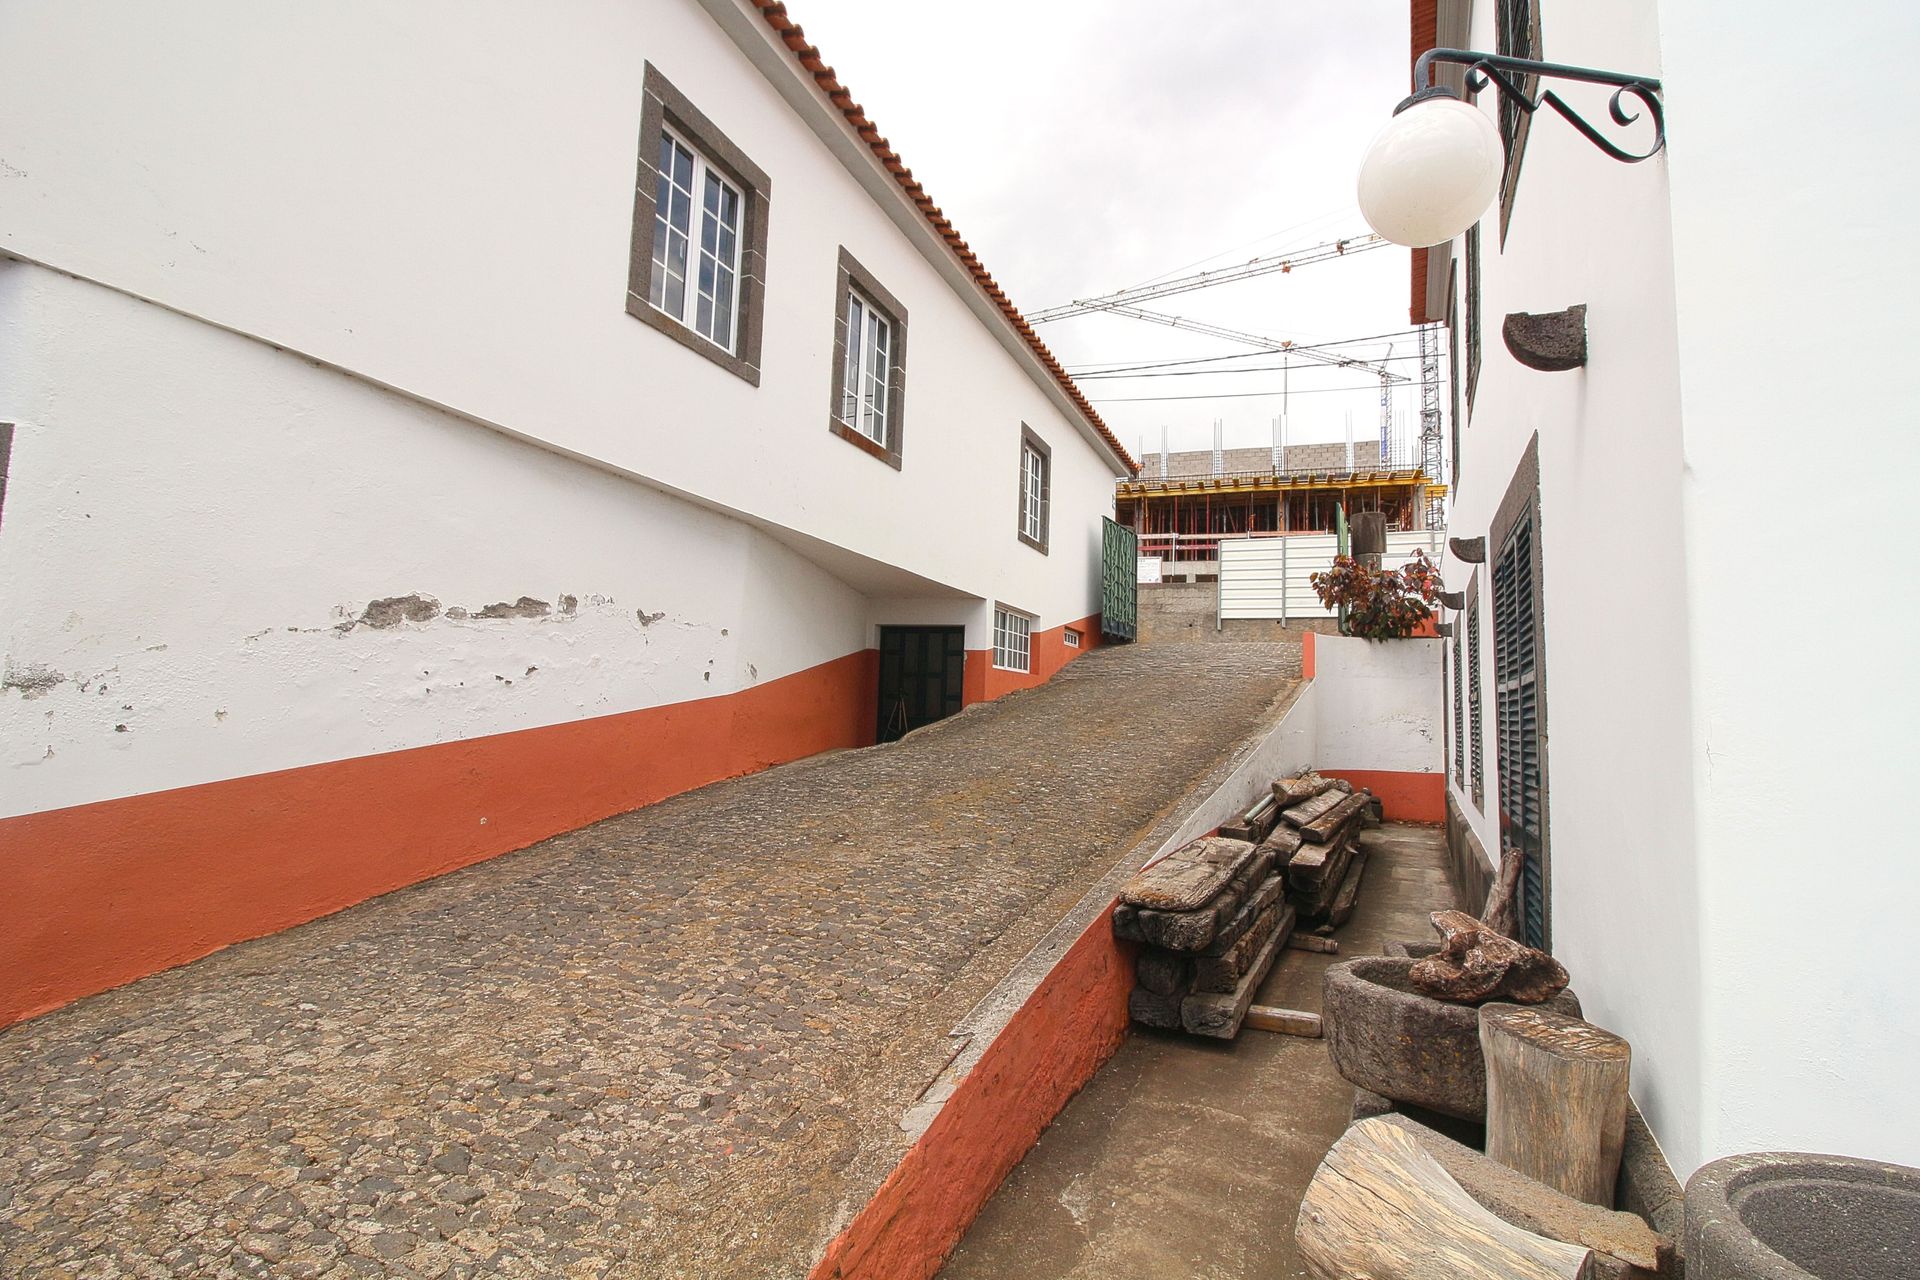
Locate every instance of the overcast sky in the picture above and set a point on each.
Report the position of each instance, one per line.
(1084, 147)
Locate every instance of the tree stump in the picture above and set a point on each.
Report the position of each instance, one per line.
(1556, 1098)
(1379, 1206)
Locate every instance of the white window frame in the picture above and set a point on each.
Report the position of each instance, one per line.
(702, 220)
(864, 380)
(1012, 640)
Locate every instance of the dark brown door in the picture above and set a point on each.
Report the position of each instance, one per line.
(921, 669)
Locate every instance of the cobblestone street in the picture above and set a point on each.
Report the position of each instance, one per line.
(676, 1043)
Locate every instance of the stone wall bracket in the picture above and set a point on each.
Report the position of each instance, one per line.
(1552, 342)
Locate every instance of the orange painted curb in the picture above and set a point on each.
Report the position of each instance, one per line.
(1404, 797)
(1306, 655)
(101, 894)
(1051, 1047)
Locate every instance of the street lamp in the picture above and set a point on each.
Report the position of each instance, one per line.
(1436, 166)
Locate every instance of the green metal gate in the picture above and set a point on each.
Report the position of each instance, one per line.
(1119, 581)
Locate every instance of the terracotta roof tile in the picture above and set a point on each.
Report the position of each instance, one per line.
(810, 59)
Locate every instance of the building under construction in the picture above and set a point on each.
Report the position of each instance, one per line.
(1182, 504)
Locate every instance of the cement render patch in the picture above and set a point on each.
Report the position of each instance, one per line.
(676, 1043)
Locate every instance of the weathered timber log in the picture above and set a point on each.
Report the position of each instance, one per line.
(1189, 877)
(1282, 845)
(1166, 973)
(1312, 864)
(1502, 912)
(1264, 895)
(1183, 930)
(1288, 792)
(1325, 826)
(1475, 964)
(1518, 1199)
(1381, 1207)
(1312, 942)
(1312, 890)
(1347, 896)
(1218, 1014)
(1154, 1009)
(1256, 824)
(1556, 1098)
(1384, 1036)
(1312, 807)
(1286, 1022)
(1223, 972)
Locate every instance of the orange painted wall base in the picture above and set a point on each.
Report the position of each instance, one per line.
(1049, 650)
(101, 894)
(1404, 797)
(1051, 1047)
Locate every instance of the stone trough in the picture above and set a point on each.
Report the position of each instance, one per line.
(1786, 1216)
(1388, 1038)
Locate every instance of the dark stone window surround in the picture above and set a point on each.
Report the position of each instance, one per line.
(1522, 499)
(1031, 439)
(852, 276)
(1515, 124)
(665, 105)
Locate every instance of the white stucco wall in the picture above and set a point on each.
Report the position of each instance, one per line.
(439, 197)
(1378, 704)
(1794, 237)
(192, 517)
(1625, 898)
(1690, 737)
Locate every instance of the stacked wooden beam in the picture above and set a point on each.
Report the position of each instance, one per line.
(1315, 842)
(1212, 916)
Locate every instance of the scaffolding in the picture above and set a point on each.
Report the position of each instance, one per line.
(1431, 452)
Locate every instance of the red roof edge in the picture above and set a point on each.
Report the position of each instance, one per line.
(815, 65)
(1425, 23)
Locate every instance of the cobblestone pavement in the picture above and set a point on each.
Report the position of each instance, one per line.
(675, 1043)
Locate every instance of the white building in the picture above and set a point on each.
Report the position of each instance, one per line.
(394, 480)
(1687, 693)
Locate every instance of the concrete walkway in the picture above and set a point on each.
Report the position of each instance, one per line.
(677, 1043)
(1188, 1158)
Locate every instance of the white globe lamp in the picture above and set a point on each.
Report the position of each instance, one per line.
(1432, 171)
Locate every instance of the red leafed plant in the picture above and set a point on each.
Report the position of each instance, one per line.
(1382, 604)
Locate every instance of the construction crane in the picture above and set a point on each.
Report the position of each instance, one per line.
(1278, 346)
(1207, 279)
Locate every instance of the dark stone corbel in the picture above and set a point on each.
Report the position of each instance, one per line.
(1551, 342)
(1468, 550)
(1444, 630)
(1454, 600)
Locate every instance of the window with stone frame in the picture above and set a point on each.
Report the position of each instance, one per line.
(1516, 35)
(697, 263)
(868, 404)
(1036, 489)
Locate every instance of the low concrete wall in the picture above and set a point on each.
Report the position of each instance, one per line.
(1380, 709)
(1184, 613)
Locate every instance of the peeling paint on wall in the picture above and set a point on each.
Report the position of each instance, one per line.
(524, 607)
(394, 610)
(34, 680)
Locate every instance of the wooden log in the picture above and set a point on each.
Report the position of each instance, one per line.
(1189, 877)
(1154, 1009)
(1282, 845)
(1166, 973)
(1347, 896)
(1256, 824)
(1182, 930)
(1223, 972)
(1313, 887)
(1518, 1199)
(1219, 1014)
(1502, 912)
(1312, 807)
(1556, 1098)
(1381, 1207)
(1475, 964)
(1288, 792)
(1229, 934)
(1287, 1022)
(1325, 826)
(1313, 942)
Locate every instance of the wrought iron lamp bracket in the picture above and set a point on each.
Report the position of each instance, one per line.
(1501, 72)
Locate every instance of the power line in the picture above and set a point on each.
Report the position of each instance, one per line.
(1239, 395)
(1217, 373)
(1089, 370)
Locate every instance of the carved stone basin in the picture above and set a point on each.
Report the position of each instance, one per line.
(1388, 1038)
(1781, 1215)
